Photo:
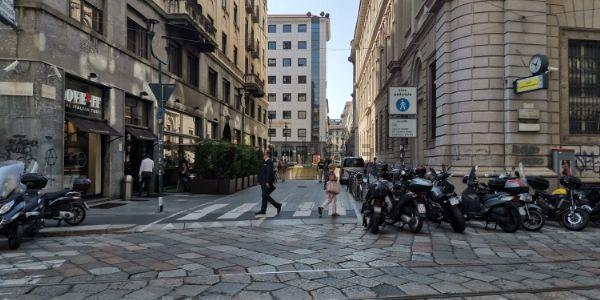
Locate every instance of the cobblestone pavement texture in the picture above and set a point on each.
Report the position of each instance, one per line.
(304, 261)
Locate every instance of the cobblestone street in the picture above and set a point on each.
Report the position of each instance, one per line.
(326, 261)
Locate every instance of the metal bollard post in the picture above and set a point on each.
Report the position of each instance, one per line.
(160, 203)
(127, 187)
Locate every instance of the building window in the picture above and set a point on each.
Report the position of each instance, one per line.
(301, 27)
(212, 82)
(226, 91)
(287, 79)
(235, 14)
(301, 62)
(272, 97)
(287, 27)
(287, 62)
(272, 28)
(302, 97)
(259, 116)
(272, 80)
(87, 14)
(235, 55)
(272, 115)
(287, 97)
(137, 39)
(433, 102)
(224, 43)
(252, 109)
(301, 132)
(287, 45)
(301, 114)
(194, 72)
(272, 62)
(301, 44)
(272, 132)
(175, 59)
(287, 114)
(136, 111)
(287, 133)
(302, 79)
(584, 95)
(272, 45)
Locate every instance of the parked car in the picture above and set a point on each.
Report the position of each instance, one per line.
(354, 164)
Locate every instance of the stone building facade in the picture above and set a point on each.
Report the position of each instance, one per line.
(463, 57)
(335, 139)
(75, 75)
(348, 126)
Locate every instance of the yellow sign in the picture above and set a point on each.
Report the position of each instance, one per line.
(530, 84)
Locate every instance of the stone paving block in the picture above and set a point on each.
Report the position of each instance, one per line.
(479, 286)
(189, 290)
(225, 288)
(172, 273)
(445, 287)
(291, 293)
(479, 276)
(50, 291)
(150, 292)
(413, 288)
(251, 295)
(305, 284)
(327, 293)
(70, 296)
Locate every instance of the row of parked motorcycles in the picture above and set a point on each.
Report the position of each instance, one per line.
(409, 196)
(24, 209)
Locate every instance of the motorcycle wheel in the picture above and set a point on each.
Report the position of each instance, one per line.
(457, 219)
(35, 228)
(576, 220)
(15, 238)
(535, 221)
(513, 219)
(416, 222)
(375, 220)
(79, 212)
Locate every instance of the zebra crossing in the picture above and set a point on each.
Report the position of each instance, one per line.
(246, 211)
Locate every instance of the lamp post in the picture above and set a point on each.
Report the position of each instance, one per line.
(270, 117)
(243, 105)
(285, 135)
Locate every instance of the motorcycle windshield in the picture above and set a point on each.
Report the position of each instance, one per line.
(10, 176)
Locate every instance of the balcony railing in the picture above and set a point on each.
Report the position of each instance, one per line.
(250, 45)
(250, 6)
(254, 85)
(256, 51)
(256, 15)
(193, 10)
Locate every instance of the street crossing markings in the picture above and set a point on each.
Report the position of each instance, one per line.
(271, 211)
(197, 215)
(339, 207)
(304, 209)
(238, 211)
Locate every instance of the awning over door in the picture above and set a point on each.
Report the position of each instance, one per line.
(93, 126)
(140, 133)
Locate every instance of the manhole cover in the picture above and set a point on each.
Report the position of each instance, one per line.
(231, 270)
(108, 205)
(301, 186)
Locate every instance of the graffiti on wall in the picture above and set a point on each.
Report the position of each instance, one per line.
(20, 148)
(587, 162)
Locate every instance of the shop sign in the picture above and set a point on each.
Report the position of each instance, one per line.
(83, 103)
(530, 84)
(403, 128)
(402, 100)
(7, 12)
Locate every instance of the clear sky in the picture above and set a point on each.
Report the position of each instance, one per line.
(342, 14)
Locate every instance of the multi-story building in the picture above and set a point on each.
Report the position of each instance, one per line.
(296, 64)
(347, 124)
(75, 81)
(335, 142)
(463, 57)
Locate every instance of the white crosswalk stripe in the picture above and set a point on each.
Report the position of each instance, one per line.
(339, 207)
(238, 211)
(197, 215)
(304, 209)
(271, 211)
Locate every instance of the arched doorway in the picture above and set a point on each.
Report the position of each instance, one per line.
(227, 133)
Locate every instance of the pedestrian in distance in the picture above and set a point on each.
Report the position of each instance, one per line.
(266, 178)
(145, 174)
(281, 170)
(184, 174)
(328, 162)
(320, 169)
(331, 192)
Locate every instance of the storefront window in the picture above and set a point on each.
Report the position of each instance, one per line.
(136, 111)
(182, 134)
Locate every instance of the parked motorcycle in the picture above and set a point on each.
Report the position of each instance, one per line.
(562, 205)
(67, 205)
(359, 186)
(375, 206)
(20, 205)
(479, 202)
(406, 202)
(442, 203)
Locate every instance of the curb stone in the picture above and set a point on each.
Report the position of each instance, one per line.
(85, 230)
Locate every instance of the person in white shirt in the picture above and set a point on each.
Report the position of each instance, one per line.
(146, 174)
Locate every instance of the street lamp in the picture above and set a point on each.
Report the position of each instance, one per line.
(243, 105)
(285, 135)
(270, 117)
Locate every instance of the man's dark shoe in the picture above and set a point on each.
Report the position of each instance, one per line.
(320, 211)
(279, 208)
(260, 213)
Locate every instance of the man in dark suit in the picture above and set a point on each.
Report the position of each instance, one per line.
(266, 177)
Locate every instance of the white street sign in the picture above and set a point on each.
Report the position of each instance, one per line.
(402, 100)
(403, 128)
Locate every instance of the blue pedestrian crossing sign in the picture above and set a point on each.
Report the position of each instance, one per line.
(402, 101)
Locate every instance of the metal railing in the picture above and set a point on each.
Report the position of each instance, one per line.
(193, 10)
(254, 84)
(250, 45)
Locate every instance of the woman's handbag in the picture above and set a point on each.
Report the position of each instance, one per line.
(333, 187)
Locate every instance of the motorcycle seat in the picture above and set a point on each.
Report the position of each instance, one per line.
(52, 196)
(549, 196)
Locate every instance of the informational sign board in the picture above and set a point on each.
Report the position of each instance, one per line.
(530, 84)
(7, 12)
(403, 128)
(402, 100)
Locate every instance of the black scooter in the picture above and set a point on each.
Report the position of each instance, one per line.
(443, 203)
(67, 205)
(406, 201)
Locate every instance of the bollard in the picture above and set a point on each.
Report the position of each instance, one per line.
(127, 187)
(160, 203)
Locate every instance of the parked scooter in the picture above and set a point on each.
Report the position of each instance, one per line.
(481, 203)
(406, 202)
(375, 207)
(67, 205)
(21, 208)
(442, 203)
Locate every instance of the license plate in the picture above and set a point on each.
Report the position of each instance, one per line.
(377, 209)
(453, 201)
(522, 211)
(421, 208)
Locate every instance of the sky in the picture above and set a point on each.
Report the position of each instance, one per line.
(342, 14)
